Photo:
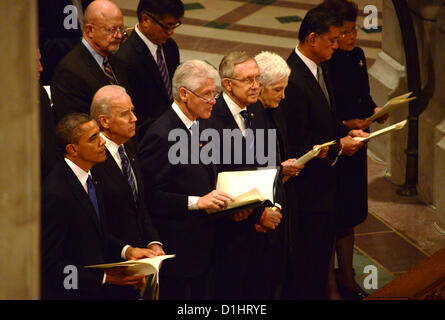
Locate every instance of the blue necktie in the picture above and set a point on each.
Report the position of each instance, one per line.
(92, 195)
(126, 169)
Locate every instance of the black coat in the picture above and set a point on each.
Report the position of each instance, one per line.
(351, 91)
(310, 120)
(127, 220)
(147, 89)
(73, 235)
(78, 77)
(187, 233)
(48, 153)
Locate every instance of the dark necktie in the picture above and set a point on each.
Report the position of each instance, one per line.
(92, 195)
(109, 71)
(163, 71)
(250, 137)
(321, 82)
(126, 169)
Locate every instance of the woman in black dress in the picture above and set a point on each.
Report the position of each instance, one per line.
(349, 77)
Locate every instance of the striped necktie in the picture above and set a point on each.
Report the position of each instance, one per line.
(163, 71)
(109, 71)
(126, 169)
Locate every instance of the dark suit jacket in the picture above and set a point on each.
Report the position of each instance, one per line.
(55, 40)
(310, 121)
(126, 220)
(73, 235)
(78, 77)
(188, 234)
(48, 154)
(147, 89)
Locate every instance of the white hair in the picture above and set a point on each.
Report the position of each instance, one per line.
(272, 67)
(192, 74)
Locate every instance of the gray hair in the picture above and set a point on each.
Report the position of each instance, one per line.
(102, 101)
(272, 67)
(192, 74)
(228, 63)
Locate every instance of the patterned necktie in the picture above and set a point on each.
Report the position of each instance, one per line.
(109, 71)
(92, 195)
(250, 137)
(163, 71)
(321, 82)
(126, 169)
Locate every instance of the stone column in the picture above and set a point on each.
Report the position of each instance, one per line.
(19, 139)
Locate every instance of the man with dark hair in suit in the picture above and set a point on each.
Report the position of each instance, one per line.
(90, 65)
(309, 107)
(151, 57)
(120, 174)
(74, 224)
(59, 31)
(179, 193)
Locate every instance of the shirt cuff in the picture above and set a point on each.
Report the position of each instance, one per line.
(154, 242)
(124, 250)
(278, 206)
(104, 278)
(193, 203)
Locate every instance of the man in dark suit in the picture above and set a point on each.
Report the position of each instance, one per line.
(120, 174)
(310, 113)
(180, 192)
(59, 31)
(151, 57)
(74, 226)
(90, 64)
(237, 110)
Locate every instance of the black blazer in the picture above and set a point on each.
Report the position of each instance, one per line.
(48, 153)
(310, 121)
(55, 40)
(188, 234)
(78, 77)
(126, 220)
(73, 235)
(147, 89)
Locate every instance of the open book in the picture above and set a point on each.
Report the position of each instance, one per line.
(311, 154)
(147, 266)
(250, 188)
(396, 126)
(391, 105)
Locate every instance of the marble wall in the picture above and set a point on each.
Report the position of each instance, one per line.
(19, 169)
(388, 79)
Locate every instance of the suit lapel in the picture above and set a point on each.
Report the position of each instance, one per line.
(148, 61)
(80, 193)
(92, 65)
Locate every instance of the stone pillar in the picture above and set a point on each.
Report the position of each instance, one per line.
(19, 136)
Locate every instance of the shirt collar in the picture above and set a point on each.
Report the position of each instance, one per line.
(186, 121)
(99, 59)
(150, 45)
(308, 62)
(112, 147)
(233, 107)
(79, 172)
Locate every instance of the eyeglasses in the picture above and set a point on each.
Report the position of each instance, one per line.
(248, 81)
(347, 33)
(113, 31)
(205, 99)
(166, 28)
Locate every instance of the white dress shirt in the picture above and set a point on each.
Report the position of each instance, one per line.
(235, 109)
(150, 45)
(308, 62)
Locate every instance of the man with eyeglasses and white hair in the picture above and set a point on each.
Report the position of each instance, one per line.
(151, 57)
(179, 193)
(90, 65)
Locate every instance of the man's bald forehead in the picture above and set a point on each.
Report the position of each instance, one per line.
(99, 10)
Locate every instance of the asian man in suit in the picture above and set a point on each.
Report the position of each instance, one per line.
(180, 192)
(309, 108)
(90, 65)
(151, 57)
(74, 224)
